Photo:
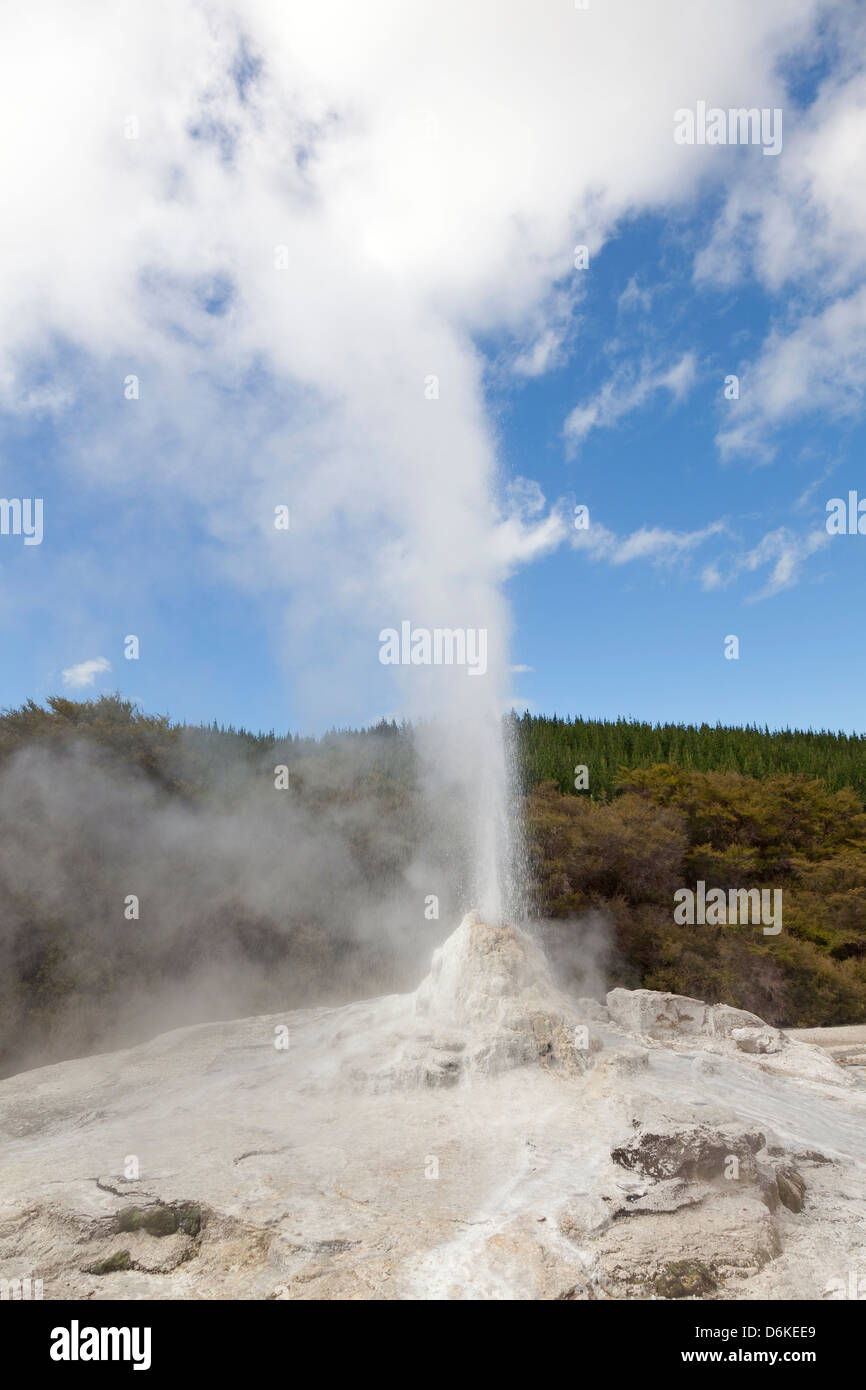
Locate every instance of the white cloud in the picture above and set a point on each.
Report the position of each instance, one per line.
(518, 540)
(417, 200)
(548, 333)
(805, 498)
(628, 391)
(647, 543)
(528, 533)
(85, 673)
(633, 298)
(711, 577)
(799, 228)
(818, 366)
(801, 221)
(784, 552)
(546, 352)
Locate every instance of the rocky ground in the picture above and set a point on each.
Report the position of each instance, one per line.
(485, 1137)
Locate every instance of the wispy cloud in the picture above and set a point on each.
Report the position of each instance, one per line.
(529, 531)
(548, 334)
(628, 391)
(819, 366)
(798, 227)
(85, 673)
(653, 543)
(634, 298)
(783, 551)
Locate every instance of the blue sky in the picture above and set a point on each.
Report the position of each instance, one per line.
(638, 639)
(647, 641)
(601, 386)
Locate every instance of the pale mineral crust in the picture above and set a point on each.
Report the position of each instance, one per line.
(487, 1137)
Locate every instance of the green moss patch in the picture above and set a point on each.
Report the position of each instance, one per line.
(685, 1279)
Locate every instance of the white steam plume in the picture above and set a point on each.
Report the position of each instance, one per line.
(283, 219)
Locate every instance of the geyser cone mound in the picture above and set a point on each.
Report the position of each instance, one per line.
(482, 1137)
(490, 986)
(481, 971)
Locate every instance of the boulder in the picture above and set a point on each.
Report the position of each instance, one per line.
(763, 1039)
(723, 1020)
(696, 1152)
(792, 1188)
(655, 1014)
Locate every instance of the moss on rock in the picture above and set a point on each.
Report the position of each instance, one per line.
(685, 1279)
(120, 1260)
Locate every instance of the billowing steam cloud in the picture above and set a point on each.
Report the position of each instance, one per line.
(287, 226)
(135, 901)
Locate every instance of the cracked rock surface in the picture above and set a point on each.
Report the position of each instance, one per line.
(485, 1137)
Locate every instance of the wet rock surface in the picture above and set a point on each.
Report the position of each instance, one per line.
(695, 1154)
(485, 1137)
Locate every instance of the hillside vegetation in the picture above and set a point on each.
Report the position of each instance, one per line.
(251, 901)
(551, 748)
